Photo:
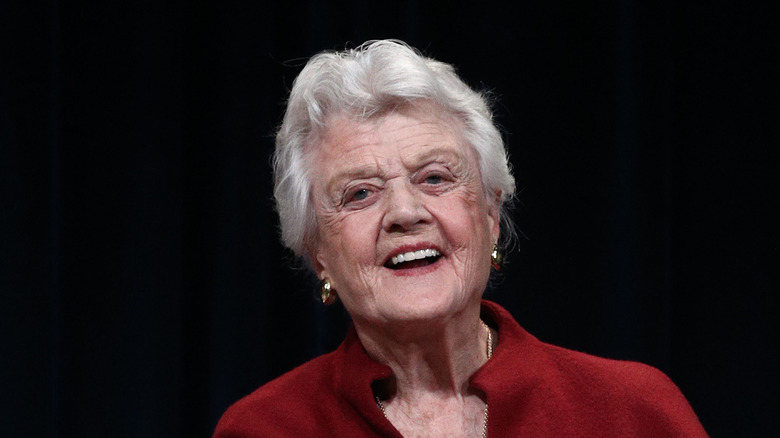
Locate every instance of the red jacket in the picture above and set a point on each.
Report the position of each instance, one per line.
(533, 390)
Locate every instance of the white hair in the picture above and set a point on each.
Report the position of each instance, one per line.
(367, 82)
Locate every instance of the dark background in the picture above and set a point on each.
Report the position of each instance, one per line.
(143, 285)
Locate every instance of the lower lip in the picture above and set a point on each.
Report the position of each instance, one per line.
(422, 270)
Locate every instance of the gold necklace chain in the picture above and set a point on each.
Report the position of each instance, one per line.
(489, 355)
(381, 404)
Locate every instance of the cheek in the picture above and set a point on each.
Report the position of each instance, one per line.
(347, 241)
(465, 217)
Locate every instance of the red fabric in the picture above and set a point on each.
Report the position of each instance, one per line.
(533, 390)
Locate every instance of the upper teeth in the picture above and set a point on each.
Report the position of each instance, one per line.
(414, 255)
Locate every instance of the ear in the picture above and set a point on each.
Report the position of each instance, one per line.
(494, 216)
(317, 261)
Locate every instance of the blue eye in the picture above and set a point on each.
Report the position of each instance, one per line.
(360, 195)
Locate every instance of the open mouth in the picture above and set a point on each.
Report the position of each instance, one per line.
(413, 259)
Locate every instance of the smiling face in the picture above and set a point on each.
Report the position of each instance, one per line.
(404, 231)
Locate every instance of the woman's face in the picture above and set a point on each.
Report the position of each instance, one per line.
(404, 183)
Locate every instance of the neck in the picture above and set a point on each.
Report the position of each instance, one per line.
(428, 359)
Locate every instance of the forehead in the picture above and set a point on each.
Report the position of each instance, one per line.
(410, 135)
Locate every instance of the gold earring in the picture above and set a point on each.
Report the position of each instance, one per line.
(327, 293)
(496, 258)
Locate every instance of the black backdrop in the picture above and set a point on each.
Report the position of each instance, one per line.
(143, 285)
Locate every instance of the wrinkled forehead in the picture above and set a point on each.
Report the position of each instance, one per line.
(344, 125)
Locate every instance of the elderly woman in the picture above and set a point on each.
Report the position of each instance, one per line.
(391, 180)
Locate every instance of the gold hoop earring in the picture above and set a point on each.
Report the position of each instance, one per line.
(327, 293)
(496, 258)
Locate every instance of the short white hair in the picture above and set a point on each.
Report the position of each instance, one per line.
(367, 82)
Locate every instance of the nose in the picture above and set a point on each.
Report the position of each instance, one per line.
(406, 208)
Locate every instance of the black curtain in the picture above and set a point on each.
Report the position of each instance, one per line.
(143, 285)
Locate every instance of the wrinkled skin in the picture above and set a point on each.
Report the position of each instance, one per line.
(405, 181)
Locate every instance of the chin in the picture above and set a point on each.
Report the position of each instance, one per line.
(426, 304)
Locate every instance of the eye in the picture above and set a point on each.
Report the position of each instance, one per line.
(434, 179)
(360, 195)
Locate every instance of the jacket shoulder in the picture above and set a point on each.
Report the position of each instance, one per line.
(635, 395)
(285, 406)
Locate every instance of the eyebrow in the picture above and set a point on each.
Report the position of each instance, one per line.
(360, 171)
(431, 152)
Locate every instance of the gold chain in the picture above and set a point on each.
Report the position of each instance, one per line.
(381, 404)
(489, 355)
